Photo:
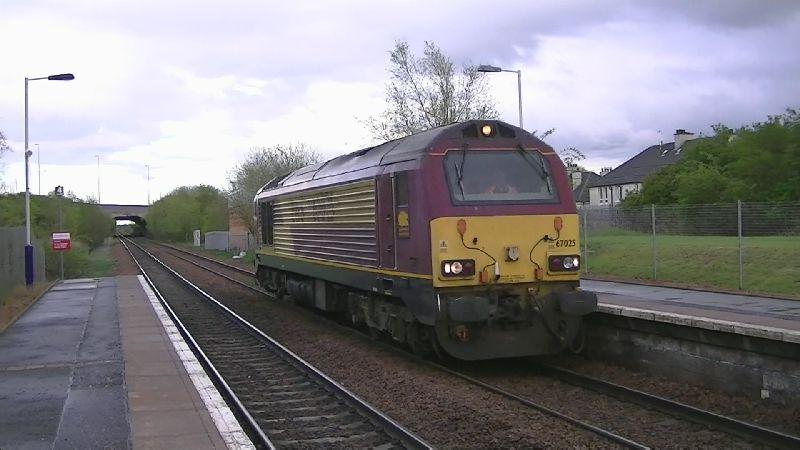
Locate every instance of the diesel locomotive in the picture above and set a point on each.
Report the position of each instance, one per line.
(461, 239)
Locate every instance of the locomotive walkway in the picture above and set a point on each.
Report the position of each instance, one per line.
(765, 317)
(93, 365)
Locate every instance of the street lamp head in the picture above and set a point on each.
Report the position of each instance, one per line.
(488, 68)
(62, 77)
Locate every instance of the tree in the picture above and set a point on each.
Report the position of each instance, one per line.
(259, 166)
(757, 163)
(427, 92)
(4, 148)
(570, 156)
(174, 216)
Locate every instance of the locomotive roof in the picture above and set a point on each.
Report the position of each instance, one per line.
(409, 148)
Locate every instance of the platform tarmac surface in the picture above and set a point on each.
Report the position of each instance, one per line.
(757, 311)
(90, 366)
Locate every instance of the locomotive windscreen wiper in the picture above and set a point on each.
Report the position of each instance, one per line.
(460, 170)
(540, 168)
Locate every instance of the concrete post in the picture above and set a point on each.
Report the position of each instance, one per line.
(586, 240)
(653, 226)
(741, 267)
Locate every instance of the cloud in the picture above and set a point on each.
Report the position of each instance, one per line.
(189, 86)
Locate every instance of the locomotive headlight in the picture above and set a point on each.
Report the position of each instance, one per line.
(458, 268)
(486, 130)
(567, 263)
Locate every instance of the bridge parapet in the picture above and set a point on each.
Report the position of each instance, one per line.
(125, 210)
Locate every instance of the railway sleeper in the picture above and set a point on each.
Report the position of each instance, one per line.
(327, 418)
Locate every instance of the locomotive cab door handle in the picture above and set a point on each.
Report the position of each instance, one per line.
(389, 248)
(388, 217)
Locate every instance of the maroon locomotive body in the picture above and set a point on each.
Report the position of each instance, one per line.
(461, 239)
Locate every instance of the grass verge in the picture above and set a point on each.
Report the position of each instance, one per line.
(15, 302)
(100, 263)
(771, 264)
(247, 262)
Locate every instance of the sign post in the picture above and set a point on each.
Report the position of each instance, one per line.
(61, 243)
(59, 191)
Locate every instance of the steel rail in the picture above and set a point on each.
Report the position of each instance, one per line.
(232, 398)
(390, 426)
(197, 255)
(687, 412)
(628, 443)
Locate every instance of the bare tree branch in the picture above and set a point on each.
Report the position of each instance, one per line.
(428, 92)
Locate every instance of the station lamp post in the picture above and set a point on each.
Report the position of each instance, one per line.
(490, 69)
(28, 153)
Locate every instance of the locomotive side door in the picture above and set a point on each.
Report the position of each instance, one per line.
(385, 221)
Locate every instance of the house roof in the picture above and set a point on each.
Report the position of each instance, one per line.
(581, 192)
(640, 166)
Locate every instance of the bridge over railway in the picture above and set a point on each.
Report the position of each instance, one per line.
(125, 212)
(133, 213)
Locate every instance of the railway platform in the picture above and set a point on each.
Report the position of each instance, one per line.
(763, 317)
(96, 363)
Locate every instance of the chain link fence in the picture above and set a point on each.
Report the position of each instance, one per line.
(743, 246)
(12, 259)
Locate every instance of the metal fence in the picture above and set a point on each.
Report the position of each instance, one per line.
(745, 246)
(12, 259)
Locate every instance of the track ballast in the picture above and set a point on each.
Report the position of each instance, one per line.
(291, 403)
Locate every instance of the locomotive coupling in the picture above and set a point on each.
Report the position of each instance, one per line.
(577, 302)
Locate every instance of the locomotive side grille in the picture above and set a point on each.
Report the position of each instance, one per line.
(331, 224)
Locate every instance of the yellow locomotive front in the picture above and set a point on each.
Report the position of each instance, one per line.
(505, 255)
(503, 291)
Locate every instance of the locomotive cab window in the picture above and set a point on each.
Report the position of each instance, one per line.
(477, 176)
(403, 222)
(265, 217)
(401, 189)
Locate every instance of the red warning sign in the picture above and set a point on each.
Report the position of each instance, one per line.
(61, 242)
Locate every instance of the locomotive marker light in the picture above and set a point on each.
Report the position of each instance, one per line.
(28, 153)
(461, 227)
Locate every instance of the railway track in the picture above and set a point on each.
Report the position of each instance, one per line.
(728, 425)
(285, 401)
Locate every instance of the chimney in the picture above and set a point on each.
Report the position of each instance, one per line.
(681, 137)
(604, 171)
(576, 177)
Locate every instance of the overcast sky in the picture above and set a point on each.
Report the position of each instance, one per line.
(189, 86)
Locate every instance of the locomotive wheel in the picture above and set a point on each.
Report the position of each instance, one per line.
(419, 342)
(437, 349)
(578, 344)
